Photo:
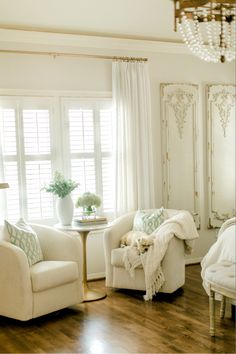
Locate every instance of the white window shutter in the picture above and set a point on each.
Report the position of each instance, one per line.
(27, 161)
(90, 139)
(81, 130)
(9, 131)
(13, 200)
(10, 163)
(107, 164)
(39, 203)
(106, 130)
(36, 132)
(108, 184)
(28, 155)
(37, 144)
(83, 171)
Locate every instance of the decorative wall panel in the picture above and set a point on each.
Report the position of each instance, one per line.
(221, 153)
(179, 147)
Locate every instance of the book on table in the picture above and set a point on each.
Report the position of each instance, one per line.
(91, 220)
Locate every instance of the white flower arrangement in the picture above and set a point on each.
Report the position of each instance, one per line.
(89, 202)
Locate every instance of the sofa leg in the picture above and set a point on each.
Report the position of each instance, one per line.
(212, 313)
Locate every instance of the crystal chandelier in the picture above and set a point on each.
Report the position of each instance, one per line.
(208, 28)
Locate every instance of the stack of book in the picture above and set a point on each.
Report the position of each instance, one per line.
(91, 220)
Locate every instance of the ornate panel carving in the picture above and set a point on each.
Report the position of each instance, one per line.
(179, 147)
(221, 153)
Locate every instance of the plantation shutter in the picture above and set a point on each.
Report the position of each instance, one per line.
(81, 133)
(34, 143)
(107, 163)
(90, 144)
(26, 155)
(10, 159)
(38, 169)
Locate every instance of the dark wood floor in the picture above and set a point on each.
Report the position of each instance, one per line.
(124, 323)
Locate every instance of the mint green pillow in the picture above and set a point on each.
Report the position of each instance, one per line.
(23, 236)
(148, 221)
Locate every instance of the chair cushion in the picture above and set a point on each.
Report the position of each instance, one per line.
(23, 236)
(222, 275)
(117, 255)
(49, 274)
(147, 221)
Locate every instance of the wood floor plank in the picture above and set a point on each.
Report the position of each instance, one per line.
(124, 323)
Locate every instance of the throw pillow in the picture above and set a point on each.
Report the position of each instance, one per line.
(23, 236)
(148, 221)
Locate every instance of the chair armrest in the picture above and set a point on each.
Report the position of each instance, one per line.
(58, 245)
(119, 227)
(16, 292)
(111, 240)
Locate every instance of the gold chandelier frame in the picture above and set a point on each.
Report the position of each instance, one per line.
(220, 11)
(213, 7)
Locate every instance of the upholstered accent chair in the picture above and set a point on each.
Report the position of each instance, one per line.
(173, 264)
(27, 291)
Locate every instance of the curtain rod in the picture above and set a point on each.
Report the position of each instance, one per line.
(58, 54)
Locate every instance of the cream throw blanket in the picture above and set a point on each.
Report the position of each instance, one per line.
(180, 225)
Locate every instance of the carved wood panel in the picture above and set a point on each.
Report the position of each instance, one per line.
(221, 153)
(179, 147)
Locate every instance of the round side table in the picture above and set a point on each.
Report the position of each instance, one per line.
(83, 231)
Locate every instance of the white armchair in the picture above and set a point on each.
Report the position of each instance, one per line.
(52, 284)
(173, 264)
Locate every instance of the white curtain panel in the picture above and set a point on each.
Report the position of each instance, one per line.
(134, 165)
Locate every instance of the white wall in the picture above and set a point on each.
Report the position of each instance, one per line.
(186, 68)
(68, 73)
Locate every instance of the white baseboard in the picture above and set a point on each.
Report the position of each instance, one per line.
(193, 260)
(94, 276)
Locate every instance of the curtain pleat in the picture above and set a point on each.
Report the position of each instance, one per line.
(134, 183)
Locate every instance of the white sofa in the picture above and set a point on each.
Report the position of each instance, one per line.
(52, 284)
(173, 264)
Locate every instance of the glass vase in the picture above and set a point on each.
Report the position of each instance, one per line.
(89, 212)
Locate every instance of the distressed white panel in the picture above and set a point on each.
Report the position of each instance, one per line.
(221, 153)
(179, 146)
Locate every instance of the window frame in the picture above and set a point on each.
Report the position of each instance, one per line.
(59, 140)
(20, 103)
(97, 105)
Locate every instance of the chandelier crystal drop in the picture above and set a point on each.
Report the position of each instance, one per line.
(208, 28)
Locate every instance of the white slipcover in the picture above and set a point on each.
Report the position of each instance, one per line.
(52, 284)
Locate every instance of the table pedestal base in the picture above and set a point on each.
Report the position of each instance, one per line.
(92, 295)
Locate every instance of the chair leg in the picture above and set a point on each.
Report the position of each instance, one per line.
(222, 307)
(212, 312)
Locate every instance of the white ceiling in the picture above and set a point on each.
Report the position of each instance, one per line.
(141, 19)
